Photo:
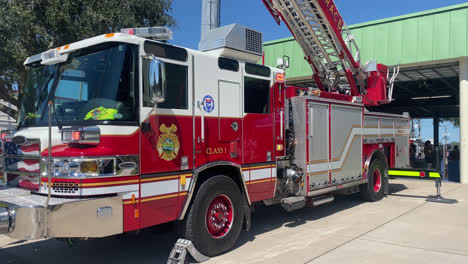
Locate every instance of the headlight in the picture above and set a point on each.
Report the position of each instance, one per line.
(74, 167)
(64, 167)
(92, 167)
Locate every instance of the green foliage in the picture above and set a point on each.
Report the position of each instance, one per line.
(454, 121)
(28, 27)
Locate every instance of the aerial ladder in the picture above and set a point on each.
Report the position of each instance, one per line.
(326, 41)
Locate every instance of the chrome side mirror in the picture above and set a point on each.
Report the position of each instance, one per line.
(283, 63)
(156, 80)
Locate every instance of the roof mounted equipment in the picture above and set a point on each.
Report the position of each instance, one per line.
(154, 33)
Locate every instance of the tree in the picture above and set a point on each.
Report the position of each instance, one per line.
(454, 121)
(28, 27)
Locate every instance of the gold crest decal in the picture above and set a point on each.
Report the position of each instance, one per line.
(168, 143)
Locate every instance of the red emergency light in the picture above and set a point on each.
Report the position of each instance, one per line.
(76, 135)
(81, 135)
(4, 133)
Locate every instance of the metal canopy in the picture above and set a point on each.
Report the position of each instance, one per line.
(423, 91)
(426, 92)
(436, 71)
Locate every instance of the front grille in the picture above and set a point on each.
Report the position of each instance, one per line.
(22, 162)
(65, 187)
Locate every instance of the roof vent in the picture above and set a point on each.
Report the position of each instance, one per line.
(253, 41)
(234, 41)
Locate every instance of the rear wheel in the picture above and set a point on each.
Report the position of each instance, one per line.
(215, 218)
(373, 190)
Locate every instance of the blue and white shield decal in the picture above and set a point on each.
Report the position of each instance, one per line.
(208, 104)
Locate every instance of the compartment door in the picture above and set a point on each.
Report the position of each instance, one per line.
(230, 119)
(346, 143)
(319, 151)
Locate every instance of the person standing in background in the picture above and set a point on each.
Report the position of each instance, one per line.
(412, 154)
(454, 165)
(455, 154)
(428, 152)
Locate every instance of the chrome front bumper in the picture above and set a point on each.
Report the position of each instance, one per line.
(24, 216)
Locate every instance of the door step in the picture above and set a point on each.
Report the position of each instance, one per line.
(293, 203)
(316, 201)
(297, 202)
(350, 190)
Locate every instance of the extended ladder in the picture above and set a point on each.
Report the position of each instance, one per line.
(320, 39)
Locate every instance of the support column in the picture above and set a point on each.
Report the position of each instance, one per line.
(464, 120)
(436, 142)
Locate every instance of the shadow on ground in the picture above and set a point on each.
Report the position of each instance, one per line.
(154, 245)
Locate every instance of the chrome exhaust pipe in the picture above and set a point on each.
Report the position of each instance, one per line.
(7, 220)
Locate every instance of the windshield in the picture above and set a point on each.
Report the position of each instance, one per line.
(96, 85)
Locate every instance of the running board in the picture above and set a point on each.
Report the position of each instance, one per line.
(293, 203)
(316, 201)
(179, 252)
(297, 202)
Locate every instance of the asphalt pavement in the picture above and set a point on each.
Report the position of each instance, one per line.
(402, 228)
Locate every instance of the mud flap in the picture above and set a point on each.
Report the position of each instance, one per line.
(247, 215)
(386, 186)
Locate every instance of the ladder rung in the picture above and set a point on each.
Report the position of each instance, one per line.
(312, 32)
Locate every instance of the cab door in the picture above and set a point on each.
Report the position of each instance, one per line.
(218, 111)
(166, 138)
(258, 140)
(258, 129)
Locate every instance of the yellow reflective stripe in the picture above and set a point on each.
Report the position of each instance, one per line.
(412, 174)
(404, 173)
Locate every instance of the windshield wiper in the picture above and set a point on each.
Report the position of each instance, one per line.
(39, 100)
(51, 96)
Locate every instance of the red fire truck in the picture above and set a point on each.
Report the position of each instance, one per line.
(121, 132)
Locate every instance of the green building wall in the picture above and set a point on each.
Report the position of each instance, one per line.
(433, 35)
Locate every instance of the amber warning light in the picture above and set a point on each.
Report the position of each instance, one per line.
(280, 77)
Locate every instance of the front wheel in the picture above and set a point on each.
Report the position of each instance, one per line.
(373, 190)
(215, 218)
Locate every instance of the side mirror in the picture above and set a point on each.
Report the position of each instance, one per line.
(286, 62)
(283, 63)
(156, 80)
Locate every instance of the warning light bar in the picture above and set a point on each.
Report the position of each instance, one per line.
(51, 57)
(156, 33)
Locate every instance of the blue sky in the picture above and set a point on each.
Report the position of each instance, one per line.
(253, 14)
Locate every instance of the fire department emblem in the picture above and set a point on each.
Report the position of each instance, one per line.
(168, 143)
(208, 104)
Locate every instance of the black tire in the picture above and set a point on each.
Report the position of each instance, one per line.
(196, 223)
(369, 190)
